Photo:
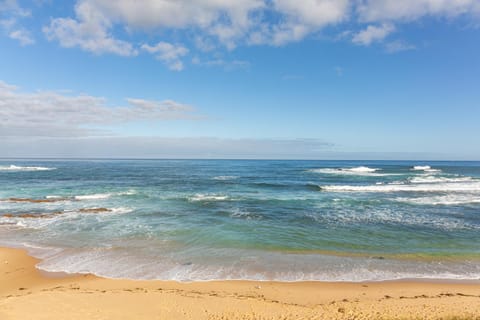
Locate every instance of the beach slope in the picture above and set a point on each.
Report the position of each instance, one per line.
(27, 293)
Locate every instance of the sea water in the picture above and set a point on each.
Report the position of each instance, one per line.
(193, 220)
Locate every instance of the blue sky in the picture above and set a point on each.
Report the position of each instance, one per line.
(314, 79)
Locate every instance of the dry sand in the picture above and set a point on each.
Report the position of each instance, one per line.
(27, 293)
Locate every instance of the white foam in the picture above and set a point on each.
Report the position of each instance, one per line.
(425, 187)
(222, 178)
(451, 199)
(54, 197)
(425, 168)
(437, 179)
(421, 168)
(115, 263)
(126, 193)
(238, 213)
(20, 168)
(102, 196)
(47, 220)
(361, 169)
(357, 171)
(97, 196)
(119, 210)
(207, 197)
(31, 223)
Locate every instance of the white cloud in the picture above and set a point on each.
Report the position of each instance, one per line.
(315, 13)
(23, 36)
(382, 10)
(165, 106)
(10, 15)
(373, 34)
(150, 14)
(169, 53)
(55, 114)
(13, 8)
(91, 32)
(213, 24)
(228, 22)
(299, 19)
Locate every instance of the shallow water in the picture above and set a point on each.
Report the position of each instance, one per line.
(263, 220)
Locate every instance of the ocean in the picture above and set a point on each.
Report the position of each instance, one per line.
(196, 220)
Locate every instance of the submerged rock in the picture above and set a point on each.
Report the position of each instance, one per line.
(32, 215)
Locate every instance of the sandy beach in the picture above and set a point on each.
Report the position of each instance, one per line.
(28, 293)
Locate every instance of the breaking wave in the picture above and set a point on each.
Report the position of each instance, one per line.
(425, 168)
(447, 200)
(102, 196)
(360, 171)
(98, 196)
(20, 168)
(424, 187)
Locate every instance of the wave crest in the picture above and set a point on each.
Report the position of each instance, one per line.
(425, 168)
(207, 197)
(20, 168)
(359, 171)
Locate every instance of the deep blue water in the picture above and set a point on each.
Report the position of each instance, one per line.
(227, 219)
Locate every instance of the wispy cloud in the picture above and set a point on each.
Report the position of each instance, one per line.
(23, 36)
(11, 14)
(56, 114)
(170, 54)
(408, 10)
(227, 65)
(90, 32)
(373, 34)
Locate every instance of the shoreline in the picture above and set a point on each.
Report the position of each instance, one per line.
(26, 291)
(31, 252)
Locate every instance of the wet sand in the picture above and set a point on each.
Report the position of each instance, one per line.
(27, 293)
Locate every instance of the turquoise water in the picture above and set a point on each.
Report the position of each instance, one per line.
(264, 220)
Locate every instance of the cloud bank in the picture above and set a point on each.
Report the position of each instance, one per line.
(53, 124)
(52, 114)
(162, 147)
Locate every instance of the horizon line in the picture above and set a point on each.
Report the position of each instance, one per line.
(225, 159)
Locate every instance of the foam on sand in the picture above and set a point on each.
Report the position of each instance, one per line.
(217, 300)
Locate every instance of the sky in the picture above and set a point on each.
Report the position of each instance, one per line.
(286, 79)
